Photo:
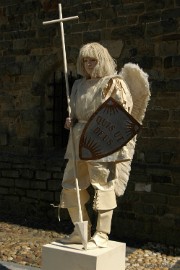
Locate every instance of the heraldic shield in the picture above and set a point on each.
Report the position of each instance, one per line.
(107, 131)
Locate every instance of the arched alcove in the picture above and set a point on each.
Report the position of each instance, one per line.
(49, 84)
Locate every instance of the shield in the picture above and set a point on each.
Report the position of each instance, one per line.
(107, 131)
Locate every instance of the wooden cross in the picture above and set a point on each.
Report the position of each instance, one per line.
(82, 226)
(61, 20)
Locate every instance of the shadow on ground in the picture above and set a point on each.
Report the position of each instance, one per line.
(66, 227)
(176, 266)
(2, 267)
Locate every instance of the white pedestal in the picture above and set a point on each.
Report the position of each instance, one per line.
(56, 256)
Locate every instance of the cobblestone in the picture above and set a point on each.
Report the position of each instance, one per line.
(23, 245)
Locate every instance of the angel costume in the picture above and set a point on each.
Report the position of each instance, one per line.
(108, 175)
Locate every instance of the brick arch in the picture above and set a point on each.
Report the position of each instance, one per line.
(49, 84)
(43, 75)
(44, 70)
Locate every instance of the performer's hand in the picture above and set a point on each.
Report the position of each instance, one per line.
(68, 123)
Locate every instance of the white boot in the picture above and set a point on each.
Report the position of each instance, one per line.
(100, 238)
(74, 237)
(68, 199)
(104, 203)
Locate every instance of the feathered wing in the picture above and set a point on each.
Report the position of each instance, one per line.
(137, 81)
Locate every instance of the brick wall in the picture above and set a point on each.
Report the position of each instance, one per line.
(144, 32)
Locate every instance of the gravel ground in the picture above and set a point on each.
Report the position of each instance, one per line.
(22, 244)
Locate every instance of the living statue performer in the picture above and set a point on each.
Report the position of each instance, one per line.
(108, 175)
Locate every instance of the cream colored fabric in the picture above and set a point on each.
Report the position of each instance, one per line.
(104, 200)
(104, 221)
(103, 228)
(68, 198)
(74, 214)
(86, 97)
(131, 89)
(99, 175)
(82, 175)
(99, 240)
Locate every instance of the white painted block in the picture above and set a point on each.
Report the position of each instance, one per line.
(56, 256)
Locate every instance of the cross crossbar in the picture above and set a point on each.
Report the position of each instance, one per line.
(61, 20)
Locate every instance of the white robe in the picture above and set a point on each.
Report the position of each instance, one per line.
(86, 97)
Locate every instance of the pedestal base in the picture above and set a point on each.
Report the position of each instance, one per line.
(56, 256)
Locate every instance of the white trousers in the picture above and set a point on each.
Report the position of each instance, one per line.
(99, 175)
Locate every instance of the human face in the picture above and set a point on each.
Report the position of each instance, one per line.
(89, 65)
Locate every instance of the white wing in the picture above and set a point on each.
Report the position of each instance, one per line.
(137, 81)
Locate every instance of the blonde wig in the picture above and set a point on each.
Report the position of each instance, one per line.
(106, 65)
